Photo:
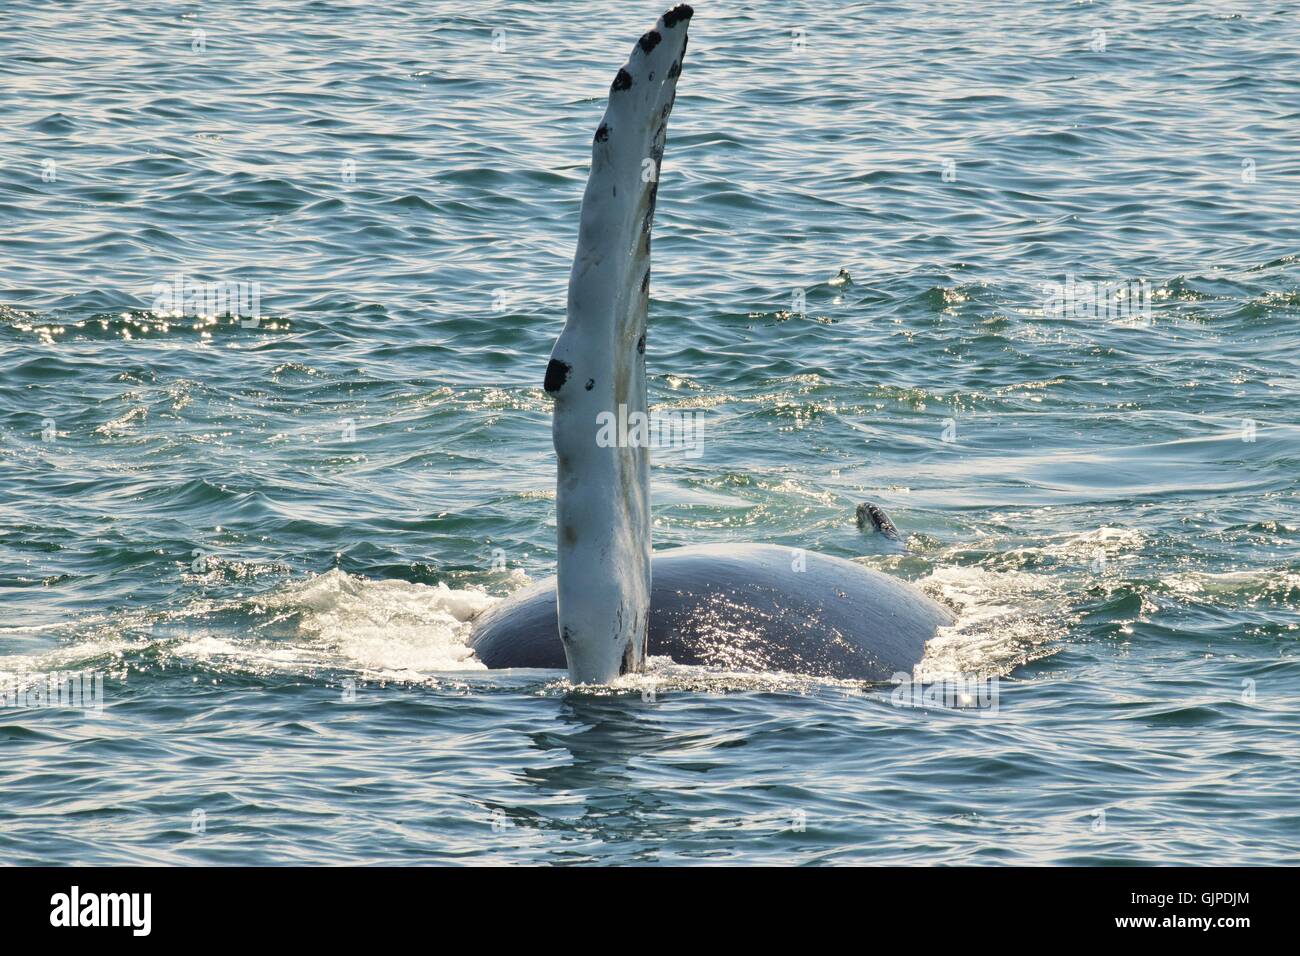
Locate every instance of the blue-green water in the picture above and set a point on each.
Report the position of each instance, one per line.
(277, 604)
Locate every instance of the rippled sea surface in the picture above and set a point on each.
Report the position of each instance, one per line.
(267, 535)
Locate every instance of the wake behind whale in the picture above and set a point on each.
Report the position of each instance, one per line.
(612, 602)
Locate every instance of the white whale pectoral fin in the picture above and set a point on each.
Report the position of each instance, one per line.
(596, 373)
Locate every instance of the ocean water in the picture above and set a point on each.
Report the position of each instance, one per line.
(267, 534)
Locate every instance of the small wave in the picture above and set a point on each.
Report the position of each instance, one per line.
(1004, 619)
(123, 423)
(1229, 588)
(1087, 548)
(101, 652)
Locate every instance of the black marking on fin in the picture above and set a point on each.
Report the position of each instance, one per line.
(591, 383)
(649, 41)
(557, 373)
(602, 134)
(623, 81)
(683, 11)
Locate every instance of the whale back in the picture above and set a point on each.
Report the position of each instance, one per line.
(749, 607)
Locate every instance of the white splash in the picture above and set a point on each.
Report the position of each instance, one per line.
(1004, 618)
(24, 670)
(392, 627)
(383, 630)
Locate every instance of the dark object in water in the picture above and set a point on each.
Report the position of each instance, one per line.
(874, 517)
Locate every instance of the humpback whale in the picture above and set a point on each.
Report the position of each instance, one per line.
(613, 601)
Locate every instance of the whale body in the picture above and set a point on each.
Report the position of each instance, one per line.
(750, 607)
(613, 601)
